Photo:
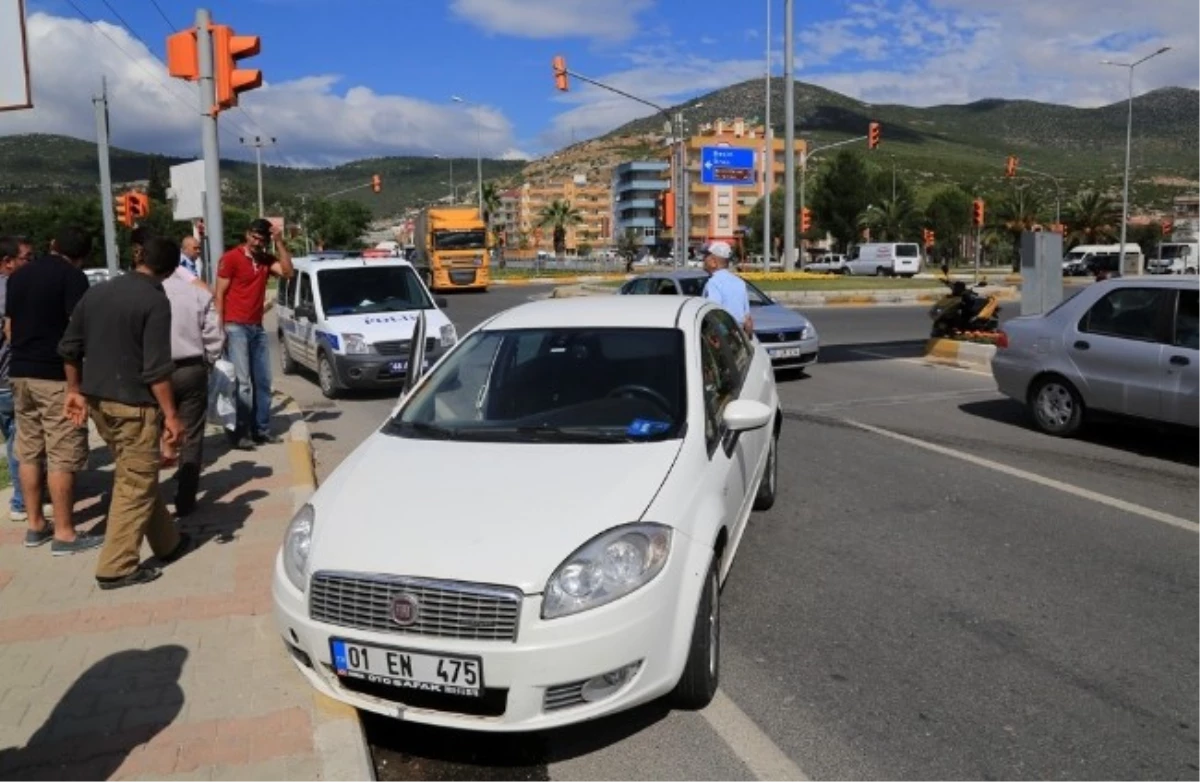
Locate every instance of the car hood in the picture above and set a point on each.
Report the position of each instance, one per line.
(387, 325)
(776, 317)
(495, 513)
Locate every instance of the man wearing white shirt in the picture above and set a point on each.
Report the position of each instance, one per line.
(724, 287)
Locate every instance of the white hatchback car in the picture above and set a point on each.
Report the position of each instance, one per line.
(538, 534)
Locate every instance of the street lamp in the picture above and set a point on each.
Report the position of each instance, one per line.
(478, 151)
(1128, 143)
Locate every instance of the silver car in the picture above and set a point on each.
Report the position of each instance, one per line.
(1124, 346)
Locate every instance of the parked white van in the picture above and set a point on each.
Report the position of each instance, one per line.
(885, 259)
(351, 320)
(1085, 259)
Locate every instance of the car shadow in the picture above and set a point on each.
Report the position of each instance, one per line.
(117, 705)
(423, 752)
(855, 352)
(1156, 441)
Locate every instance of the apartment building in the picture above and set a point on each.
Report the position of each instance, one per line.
(636, 188)
(593, 200)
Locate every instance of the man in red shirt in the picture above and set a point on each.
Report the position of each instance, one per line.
(241, 293)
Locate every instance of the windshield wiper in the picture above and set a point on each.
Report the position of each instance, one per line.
(423, 429)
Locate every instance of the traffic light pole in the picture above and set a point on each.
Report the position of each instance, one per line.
(1057, 190)
(789, 135)
(804, 158)
(100, 102)
(214, 223)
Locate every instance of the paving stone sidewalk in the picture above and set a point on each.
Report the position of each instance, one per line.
(182, 678)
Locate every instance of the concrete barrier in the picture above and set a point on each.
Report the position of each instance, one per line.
(975, 356)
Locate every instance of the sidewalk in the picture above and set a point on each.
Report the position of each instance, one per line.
(182, 678)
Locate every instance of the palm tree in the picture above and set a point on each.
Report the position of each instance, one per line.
(491, 202)
(1093, 218)
(559, 215)
(892, 221)
(1016, 211)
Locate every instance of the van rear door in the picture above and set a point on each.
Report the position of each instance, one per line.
(907, 260)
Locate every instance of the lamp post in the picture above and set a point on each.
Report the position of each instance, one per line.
(789, 135)
(1128, 144)
(768, 158)
(478, 151)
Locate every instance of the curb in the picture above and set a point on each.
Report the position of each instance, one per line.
(338, 734)
(861, 298)
(964, 355)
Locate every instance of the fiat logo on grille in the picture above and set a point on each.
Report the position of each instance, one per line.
(405, 610)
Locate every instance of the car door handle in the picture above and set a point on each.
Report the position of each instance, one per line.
(1180, 361)
(1081, 345)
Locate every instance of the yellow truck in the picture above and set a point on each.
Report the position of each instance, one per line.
(452, 248)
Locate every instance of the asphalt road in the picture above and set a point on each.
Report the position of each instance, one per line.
(940, 592)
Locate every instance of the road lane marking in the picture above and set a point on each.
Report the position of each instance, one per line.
(748, 741)
(1067, 488)
(905, 399)
(920, 362)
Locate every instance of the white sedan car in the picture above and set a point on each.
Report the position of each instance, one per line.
(538, 534)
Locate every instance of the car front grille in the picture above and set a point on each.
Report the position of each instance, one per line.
(462, 277)
(402, 347)
(446, 609)
(768, 337)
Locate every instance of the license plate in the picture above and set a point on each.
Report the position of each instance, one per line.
(783, 352)
(398, 366)
(440, 673)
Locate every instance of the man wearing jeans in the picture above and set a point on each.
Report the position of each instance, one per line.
(241, 293)
(15, 252)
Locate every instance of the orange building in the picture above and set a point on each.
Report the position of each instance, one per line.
(592, 199)
(721, 211)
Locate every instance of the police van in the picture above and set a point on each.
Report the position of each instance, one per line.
(350, 320)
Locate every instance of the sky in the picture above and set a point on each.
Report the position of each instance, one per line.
(351, 79)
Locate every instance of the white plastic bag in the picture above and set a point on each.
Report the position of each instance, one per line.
(222, 382)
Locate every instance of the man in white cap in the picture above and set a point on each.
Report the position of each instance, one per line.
(724, 287)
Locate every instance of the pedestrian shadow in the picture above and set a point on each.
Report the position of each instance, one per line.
(118, 704)
(221, 509)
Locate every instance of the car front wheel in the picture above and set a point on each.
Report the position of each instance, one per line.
(1056, 407)
(701, 674)
(766, 487)
(326, 377)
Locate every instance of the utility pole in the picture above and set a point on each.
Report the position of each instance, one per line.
(100, 102)
(214, 226)
(258, 143)
(768, 159)
(789, 135)
(680, 206)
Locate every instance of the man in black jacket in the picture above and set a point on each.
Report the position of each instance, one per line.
(123, 330)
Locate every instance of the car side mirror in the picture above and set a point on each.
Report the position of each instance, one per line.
(742, 415)
(441, 302)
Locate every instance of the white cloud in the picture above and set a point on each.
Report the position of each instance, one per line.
(601, 19)
(315, 122)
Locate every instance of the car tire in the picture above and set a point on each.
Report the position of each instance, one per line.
(881, 272)
(1056, 407)
(327, 377)
(287, 364)
(767, 487)
(702, 672)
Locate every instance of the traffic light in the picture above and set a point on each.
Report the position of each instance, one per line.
(1168, 227)
(873, 135)
(124, 212)
(805, 220)
(231, 80)
(666, 209)
(977, 212)
(138, 206)
(560, 73)
(376, 184)
(182, 61)
(1010, 168)
(929, 237)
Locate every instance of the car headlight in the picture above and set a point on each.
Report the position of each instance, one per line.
(607, 567)
(297, 543)
(356, 344)
(808, 332)
(449, 335)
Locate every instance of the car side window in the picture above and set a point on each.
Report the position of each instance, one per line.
(283, 292)
(1128, 313)
(641, 286)
(720, 371)
(667, 287)
(738, 346)
(306, 294)
(1187, 320)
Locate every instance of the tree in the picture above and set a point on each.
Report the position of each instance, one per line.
(1015, 212)
(629, 246)
(754, 222)
(949, 216)
(157, 189)
(559, 215)
(842, 193)
(1093, 218)
(892, 221)
(491, 202)
(337, 224)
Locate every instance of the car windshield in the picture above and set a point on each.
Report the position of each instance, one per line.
(907, 251)
(1173, 251)
(574, 385)
(368, 289)
(757, 297)
(459, 240)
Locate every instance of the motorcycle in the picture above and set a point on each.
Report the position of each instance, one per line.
(963, 310)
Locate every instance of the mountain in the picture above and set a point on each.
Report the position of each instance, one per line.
(35, 167)
(968, 143)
